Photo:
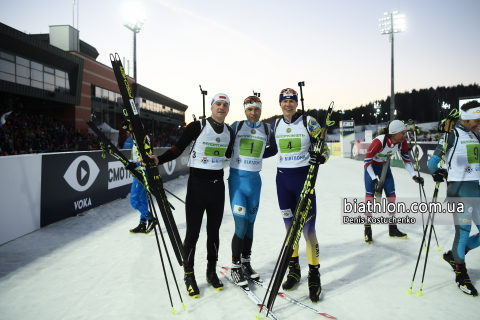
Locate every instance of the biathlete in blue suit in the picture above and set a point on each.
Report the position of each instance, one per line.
(462, 170)
(291, 137)
(244, 185)
(138, 196)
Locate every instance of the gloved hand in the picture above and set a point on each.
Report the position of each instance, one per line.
(375, 185)
(316, 158)
(418, 179)
(131, 166)
(439, 175)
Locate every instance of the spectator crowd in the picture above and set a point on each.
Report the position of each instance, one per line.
(26, 133)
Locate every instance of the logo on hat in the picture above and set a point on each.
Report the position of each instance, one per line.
(222, 97)
(289, 130)
(253, 131)
(218, 140)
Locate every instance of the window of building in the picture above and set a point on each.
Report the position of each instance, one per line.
(30, 73)
(7, 76)
(23, 62)
(36, 75)
(36, 66)
(6, 66)
(7, 56)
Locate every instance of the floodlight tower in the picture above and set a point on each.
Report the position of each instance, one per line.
(134, 20)
(392, 23)
(377, 108)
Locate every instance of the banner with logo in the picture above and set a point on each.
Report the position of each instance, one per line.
(347, 137)
(74, 182)
(336, 149)
(425, 151)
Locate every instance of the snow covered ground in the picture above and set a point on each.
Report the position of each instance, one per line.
(91, 267)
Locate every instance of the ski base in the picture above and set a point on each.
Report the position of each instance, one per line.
(284, 295)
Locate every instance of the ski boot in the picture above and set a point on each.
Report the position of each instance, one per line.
(248, 270)
(463, 280)
(314, 286)
(237, 274)
(141, 228)
(294, 274)
(191, 283)
(212, 277)
(151, 223)
(368, 234)
(448, 256)
(394, 232)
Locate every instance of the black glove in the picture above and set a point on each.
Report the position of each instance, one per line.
(131, 166)
(439, 175)
(375, 185)
(418, 179)
(316, 158)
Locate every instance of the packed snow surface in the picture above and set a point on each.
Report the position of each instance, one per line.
(91, 267)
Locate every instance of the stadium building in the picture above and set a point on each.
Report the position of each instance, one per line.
(57, 74)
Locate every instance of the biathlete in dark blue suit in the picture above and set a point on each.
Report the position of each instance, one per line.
(291, 137)
(244, 185)
(462, 163)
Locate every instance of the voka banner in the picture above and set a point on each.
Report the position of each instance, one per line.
(78, 181)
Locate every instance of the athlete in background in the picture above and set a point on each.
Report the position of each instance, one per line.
(382, 148)
(291, 137)
(138, 195)
(244, 185)
(462, 171)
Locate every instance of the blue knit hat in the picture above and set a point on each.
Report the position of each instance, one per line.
(288, 93)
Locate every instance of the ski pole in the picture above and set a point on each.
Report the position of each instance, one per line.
(175, 196)
(417, 169)
(154, 213)
(448, 127)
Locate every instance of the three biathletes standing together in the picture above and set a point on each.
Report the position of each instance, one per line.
(290, 137)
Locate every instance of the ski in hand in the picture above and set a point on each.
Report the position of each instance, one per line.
(299, 217)
(108, 147)
(152, 177)
(284, 295)
(248, 292)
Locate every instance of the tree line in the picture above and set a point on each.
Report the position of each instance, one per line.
(419, 105)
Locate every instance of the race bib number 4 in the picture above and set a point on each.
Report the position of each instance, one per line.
(290, 145)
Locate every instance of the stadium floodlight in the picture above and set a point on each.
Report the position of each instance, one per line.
(377, 108)
(392, 23)
(134, 20)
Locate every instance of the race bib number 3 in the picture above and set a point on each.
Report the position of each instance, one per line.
(251, 148)
(472, 153)
(215, 152)
(290, 145)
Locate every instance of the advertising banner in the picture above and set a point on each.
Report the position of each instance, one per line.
(74, 182)
(336, 149)
(425, 151)
(368, 136)
(347, 137)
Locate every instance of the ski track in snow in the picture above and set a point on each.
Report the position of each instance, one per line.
(91, 267)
